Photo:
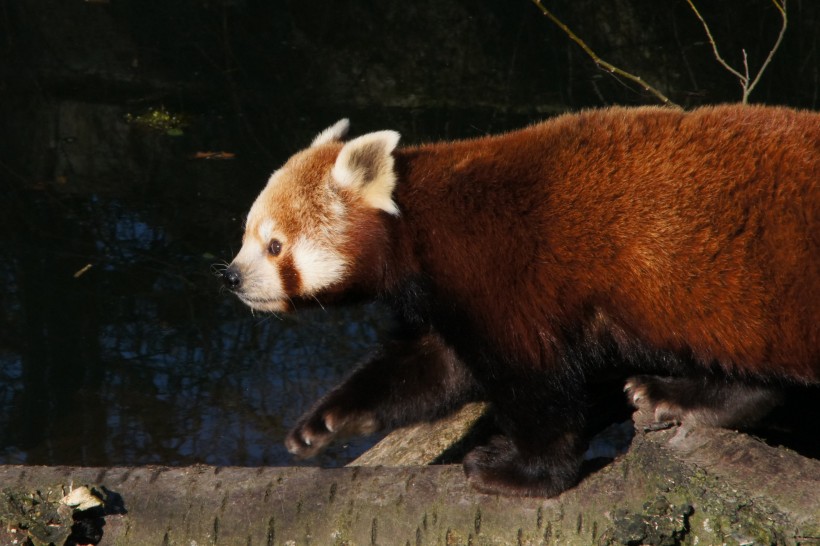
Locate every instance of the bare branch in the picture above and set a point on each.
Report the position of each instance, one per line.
(746, 83)
(725, 65)
(781, 7)
(609, 67)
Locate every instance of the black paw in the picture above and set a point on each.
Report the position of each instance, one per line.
(500, 468)
(320, 426)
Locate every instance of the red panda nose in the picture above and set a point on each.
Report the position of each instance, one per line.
(231, 278)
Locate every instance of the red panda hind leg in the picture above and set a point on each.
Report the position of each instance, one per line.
(414, 378)
(501, 468)
(543, 418)
(705, 401)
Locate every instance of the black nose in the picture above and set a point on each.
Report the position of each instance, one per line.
(231, 278)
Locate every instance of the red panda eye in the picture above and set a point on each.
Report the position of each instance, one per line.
(275, 247)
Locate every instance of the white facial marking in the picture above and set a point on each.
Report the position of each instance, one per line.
(261, 284)
(266, 230)
(318, 267)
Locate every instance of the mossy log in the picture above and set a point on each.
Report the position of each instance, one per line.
(672, 487)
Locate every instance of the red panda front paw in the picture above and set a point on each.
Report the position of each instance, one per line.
(310, 436)
(319, 427)
(499, 468)
(646, 394)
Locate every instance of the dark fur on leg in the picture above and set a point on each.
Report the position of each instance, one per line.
(416, 378)
(500, 467)
(543, 419)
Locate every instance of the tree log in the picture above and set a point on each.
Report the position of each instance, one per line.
(422, 443)
(676, 486)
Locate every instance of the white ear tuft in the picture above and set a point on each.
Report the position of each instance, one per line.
(365, 164)
(337, 131)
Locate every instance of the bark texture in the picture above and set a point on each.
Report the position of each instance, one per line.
(422, 443)
(672, 487)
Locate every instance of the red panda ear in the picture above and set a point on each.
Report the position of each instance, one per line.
(335, 132)
(365, 165)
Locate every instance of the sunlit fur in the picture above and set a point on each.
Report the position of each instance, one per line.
(524, 266)
(306, 206)
(333, 133)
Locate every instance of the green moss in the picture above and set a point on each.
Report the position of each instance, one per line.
(159, 119)
(37, 515)
(719, 517)
(691, 507)
(660, 523)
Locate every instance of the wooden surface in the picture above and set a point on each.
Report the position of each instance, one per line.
(423, 443)
(712, 486)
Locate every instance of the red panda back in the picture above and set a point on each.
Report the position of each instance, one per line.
(691, 231)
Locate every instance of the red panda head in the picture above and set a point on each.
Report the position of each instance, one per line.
(307, 230)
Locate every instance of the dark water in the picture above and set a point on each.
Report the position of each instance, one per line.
(118, 346)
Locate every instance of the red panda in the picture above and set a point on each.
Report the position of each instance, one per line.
(680, 246)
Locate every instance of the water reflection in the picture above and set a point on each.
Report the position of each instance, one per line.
(119, 348)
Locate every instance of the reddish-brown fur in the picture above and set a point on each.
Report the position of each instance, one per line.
(698, 230)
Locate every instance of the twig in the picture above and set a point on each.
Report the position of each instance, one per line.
(609, 67)
(781, 7)
(746, 82)
(719, 59)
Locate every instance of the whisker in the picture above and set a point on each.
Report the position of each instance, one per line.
(218, 269)
(293, 305)
(319, 303)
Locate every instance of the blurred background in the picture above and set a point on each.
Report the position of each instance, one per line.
(136, 133)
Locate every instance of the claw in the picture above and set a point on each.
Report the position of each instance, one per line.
(328, 421)
(664, 425)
